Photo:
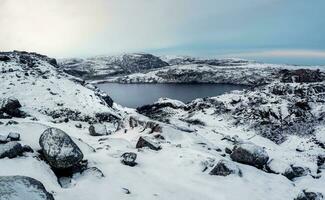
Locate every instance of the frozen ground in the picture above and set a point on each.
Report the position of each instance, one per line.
(180, 170)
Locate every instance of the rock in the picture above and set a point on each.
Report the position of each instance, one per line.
(301, 76)
(225, 168)
(4, 58)
(129, 159)
(11, 150)
(3, 139)
(250, 154)
(228, 151)
(27, 148)
(11, 122)
(108, 100)
(78, 125)
(97, 130)
(14, 136)
(11, 107)
(22, 188)
(65, 182)
(59, 150)
(295, 171)
(307, 195)
(146, 142)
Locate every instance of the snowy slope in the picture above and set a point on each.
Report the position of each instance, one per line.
(193, 138)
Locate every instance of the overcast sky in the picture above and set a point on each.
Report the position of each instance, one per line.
(287, 30)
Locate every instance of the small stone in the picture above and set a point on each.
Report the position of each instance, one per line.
(228, 151)
(129, 158)
(78, 125)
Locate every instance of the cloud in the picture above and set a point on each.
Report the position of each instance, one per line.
(50, 26)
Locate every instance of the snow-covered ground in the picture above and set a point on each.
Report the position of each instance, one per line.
(189, 149)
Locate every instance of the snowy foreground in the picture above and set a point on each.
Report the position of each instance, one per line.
(74, 143)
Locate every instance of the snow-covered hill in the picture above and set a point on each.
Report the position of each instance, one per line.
(104, 66)
(267, 143)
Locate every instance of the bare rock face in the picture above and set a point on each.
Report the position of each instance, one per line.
(225, 168)
(146, 142)
(250, 154)
(59, 150)
(22, 188)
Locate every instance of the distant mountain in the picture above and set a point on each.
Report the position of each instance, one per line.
(105, 66)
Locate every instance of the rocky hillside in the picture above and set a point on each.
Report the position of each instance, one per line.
(105, 66)
(62, 139)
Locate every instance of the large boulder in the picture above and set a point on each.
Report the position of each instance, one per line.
(250, 154)
(59, 150)
(22, 188)
(11, 150)
(11, 107)
(225, 168)
(98, 130)
(296, 171)
(147, 142)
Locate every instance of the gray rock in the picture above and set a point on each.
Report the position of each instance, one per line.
(146, 142)
(308, 195)
(14, 136)
(11, 107)
(129, 158)
(59, 150)
(3, 139)
(250, 154)
(11, 150)
(98, 130)
(225, 168)
(296, 171)
(22, 188)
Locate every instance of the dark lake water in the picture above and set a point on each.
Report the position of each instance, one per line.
(135, 95)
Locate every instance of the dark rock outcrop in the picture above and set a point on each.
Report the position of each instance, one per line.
(301, 76)
(22, 188)
(147, 142)
(250, 154)
(58, 149)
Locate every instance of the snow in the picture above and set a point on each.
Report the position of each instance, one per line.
(174, 172)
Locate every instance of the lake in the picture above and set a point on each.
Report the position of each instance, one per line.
(135, 95)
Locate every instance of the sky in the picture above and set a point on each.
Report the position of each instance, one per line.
(286, 31)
